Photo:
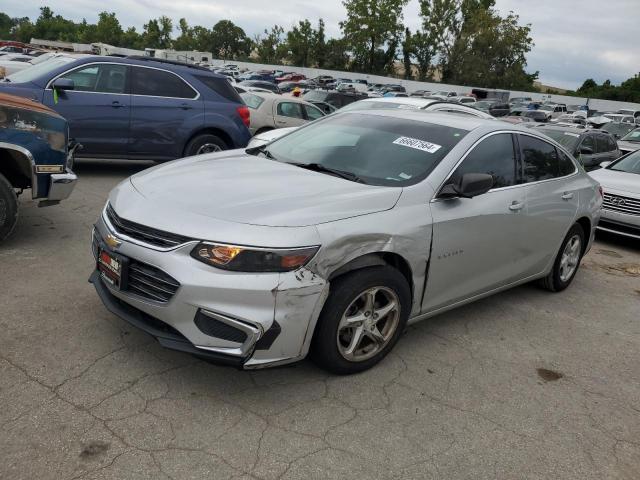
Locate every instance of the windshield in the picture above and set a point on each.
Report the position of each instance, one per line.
(371, 105)
(632, 136)
(617, 128)
(31, 73)
(378, 150)
(629, 164)
(568, 140)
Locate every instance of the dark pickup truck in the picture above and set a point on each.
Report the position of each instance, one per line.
(35, 153)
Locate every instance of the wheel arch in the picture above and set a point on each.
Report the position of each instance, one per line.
(17, 165)
(209, 131)
(585, 224)
(391, 259)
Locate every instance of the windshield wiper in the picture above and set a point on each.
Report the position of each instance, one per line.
(318, 167)
(261, 149)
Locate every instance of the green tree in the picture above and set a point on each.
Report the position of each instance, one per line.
(370, 25)
(185, 40)
(320, 45)
(54, 27)
(438, 21)
(336, 54)
(271, 48)
(407, 52)
(157, 33)
(6, 25)
(108, 29)
(228, 41)
(132, 39)
(300, 43)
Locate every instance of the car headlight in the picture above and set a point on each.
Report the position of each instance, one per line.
(253, 259)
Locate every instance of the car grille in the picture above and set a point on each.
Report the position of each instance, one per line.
(617, 203)
(143, 233)
(151, 282)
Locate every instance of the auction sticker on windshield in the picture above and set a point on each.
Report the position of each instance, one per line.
(417, 144)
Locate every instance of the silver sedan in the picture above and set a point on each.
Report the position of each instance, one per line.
(331, 239)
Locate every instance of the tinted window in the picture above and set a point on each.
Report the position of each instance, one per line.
(495, 156)
(103, 78)
(158, 83)
(313, 113)
(540, 159)
(288, 109)
(565, 164)
(221, 86)
(589, 142)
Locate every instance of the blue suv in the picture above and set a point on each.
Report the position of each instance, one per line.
(137, 107)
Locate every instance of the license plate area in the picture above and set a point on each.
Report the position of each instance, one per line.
(113, 268)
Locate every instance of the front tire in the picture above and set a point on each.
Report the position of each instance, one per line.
(205, 143)
(567, 261)
(8, 208)
(362, 319)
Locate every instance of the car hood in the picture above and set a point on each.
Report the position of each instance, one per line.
(237, 187)
(628, 146)
(618, 181)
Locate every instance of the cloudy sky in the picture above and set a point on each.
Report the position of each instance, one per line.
(574, 39)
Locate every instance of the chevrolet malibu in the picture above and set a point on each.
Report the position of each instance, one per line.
(328, 241)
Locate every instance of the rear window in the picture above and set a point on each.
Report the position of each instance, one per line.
(221, 86)
(159, 83)
(252, 101)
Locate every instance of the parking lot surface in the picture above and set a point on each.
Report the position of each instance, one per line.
(525, 384)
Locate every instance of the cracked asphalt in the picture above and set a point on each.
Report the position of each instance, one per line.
(523, 385)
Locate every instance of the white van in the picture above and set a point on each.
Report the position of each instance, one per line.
(352, 87)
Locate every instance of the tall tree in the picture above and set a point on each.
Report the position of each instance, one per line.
(108, 29)
(438, 21)
(336, 54)
(185, 40)
(157, 33)
(228, 41)
(300, 43)
(271, 48)
(320, 45)
(407, 52)
(370, 25)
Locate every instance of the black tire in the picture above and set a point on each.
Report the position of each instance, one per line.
(202, 141)
(344, 291)
(553, 282)
(8, 208)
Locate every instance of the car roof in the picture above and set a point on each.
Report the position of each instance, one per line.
(415, 101)
(272, 97)
(463, 122)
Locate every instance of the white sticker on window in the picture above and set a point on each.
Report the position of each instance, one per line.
(572, 134)
(404, 176)
(417, 144)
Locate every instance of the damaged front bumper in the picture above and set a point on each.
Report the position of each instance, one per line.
(247, 320)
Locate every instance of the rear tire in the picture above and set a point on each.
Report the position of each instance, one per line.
(8, 208)
(205, 143)
(567, 261)
(362, 319)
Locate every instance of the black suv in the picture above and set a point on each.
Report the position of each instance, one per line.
(591, 147)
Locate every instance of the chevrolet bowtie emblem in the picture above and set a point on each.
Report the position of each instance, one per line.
(112, 241)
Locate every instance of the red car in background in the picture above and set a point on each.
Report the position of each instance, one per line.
(291, 77)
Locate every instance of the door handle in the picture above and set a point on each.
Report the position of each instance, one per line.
(515, 206)
(116, 104)
(567, 195)
(186, 106)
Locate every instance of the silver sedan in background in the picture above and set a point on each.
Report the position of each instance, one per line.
(331, 239)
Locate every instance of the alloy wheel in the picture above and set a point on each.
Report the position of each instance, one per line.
(368, 324)
(570, 258)
(208, 148)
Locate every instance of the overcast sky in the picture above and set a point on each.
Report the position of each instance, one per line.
(574, 39)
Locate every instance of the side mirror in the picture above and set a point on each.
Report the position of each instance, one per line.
(63, 84)
(586, 151)
(605, 164)
(469, 186)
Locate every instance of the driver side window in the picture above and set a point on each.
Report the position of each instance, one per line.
(495, 155)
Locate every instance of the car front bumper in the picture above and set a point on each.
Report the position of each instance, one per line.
(247, 320)
(619, 223)
(61, 185)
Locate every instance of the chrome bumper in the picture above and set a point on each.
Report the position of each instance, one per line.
(61, 185)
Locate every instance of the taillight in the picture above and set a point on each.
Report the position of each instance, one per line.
(243, 111)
